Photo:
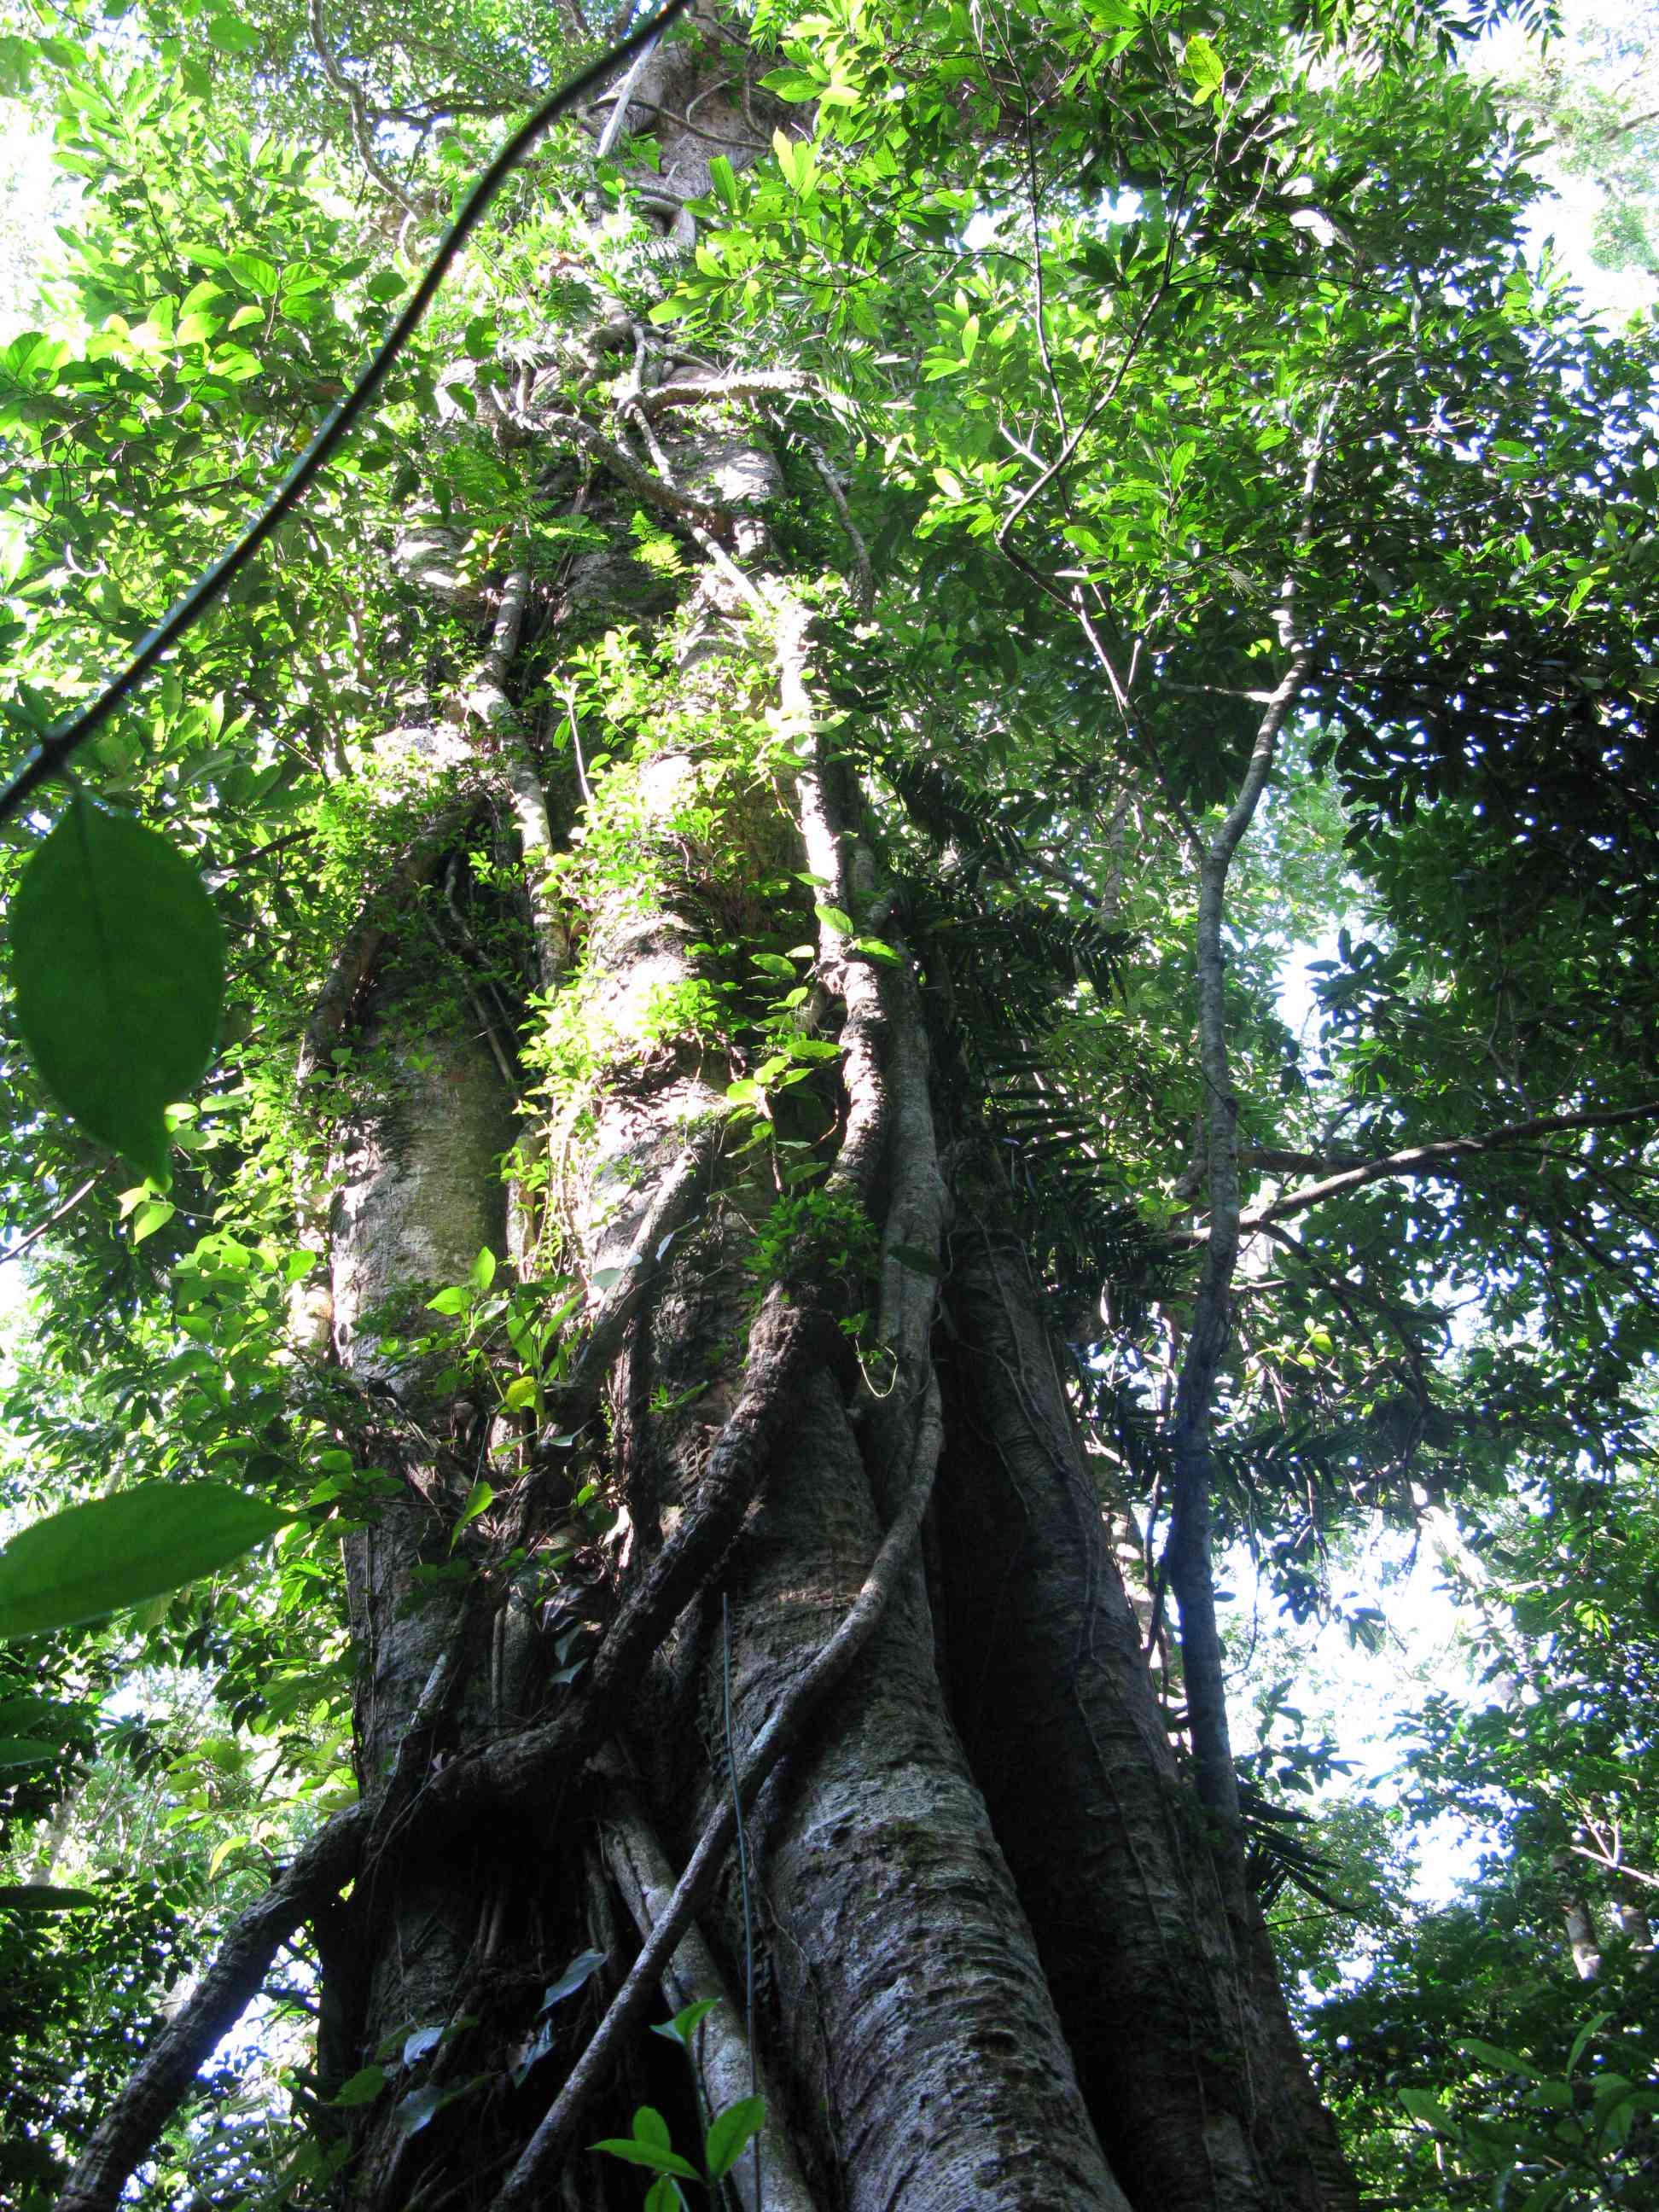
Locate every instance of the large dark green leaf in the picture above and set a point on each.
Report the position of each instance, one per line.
(115, 1552)
(19, 1751)
(42, 1896)
(118, 966)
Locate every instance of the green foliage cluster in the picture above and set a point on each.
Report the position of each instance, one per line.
(1075, 296)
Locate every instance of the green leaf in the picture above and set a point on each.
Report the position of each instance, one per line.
(411, 2114)
(833, 918)
(479, 1499)
(483, 1273)
(363, 2087)
(454, 1300)
(686, 2021)
(1423, 2104)
(221, 1851)
(581, 1969)
(732, 2130)
(230, 35)
(792, 84)
(1203, 64)
(43, 1896)
(644, 2153)
(117, 965)
(1505, 2062)
(18, 1751)
(150, 1218)
(1586, 2035)
(257, 270)
(723, 177)
(116, 1552)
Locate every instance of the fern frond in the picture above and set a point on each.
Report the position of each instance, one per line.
(953, 812)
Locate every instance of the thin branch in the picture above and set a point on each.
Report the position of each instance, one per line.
(59, 1214)
(1431, 1159)
(1187, 1547)
(1615, 1866)
(352, 93)
(864, 588)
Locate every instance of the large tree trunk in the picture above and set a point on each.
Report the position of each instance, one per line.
(991, 1960)
(992, 1964)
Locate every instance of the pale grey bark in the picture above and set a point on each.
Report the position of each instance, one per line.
(907, 2001)
(728, 2066)
(419, 1196)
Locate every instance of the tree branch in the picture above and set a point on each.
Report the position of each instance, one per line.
(352, 94)
(683, 505)
(58, 1213)
(703, 391)
(865, 585)
(162, 2077)
(1430, 1159)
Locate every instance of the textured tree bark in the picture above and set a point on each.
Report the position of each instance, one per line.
(950, 1913)
(1196, 2086)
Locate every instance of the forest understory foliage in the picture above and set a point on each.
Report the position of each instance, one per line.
(668, 1225)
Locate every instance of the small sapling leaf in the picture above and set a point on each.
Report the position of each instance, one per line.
(685, 2023)
(479, 1500)
(730, 2132)
(363, 2087)
(581, 1969)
